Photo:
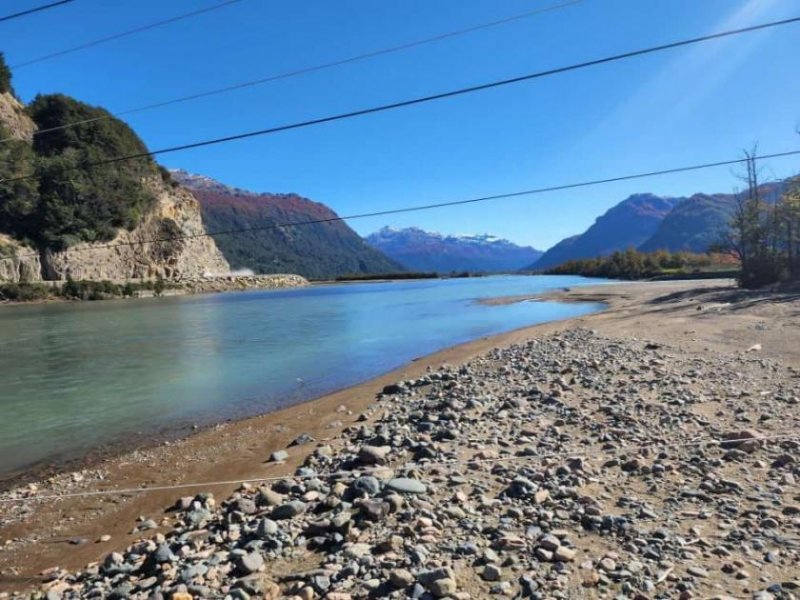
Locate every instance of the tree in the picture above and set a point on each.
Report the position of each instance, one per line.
(18, 199)
(788, 221)
(5, 77)
(68, 200)
(750, 235)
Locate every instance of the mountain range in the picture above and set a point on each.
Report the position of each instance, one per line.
(648, 223)
(628, 224)
(420, 250)
(319, 250)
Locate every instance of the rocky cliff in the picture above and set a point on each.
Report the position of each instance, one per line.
(14, 119)
(118, 251)
(133, 255)
(18, 263)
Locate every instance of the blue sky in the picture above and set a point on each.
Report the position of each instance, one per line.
(690, 105)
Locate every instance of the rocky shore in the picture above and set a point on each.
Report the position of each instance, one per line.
(575, 463)
(240, 283)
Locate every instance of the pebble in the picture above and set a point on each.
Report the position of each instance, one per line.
(278, 456)
(590, 453)
(405, 485)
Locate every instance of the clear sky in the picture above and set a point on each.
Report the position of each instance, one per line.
(696, 104)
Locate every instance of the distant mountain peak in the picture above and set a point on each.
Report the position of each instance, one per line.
(628, 224)
(422, 250)
(650, 222)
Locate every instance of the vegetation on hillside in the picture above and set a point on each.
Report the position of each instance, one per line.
(5, 76)
(385, 276)
(764, 235)
(64, 196)
(320, 250)
(694, 225)
(79, 290)
(632, 264)
(629, 224)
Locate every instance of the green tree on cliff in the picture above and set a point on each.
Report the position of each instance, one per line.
(65, 195)
(5, 76)
(18, 199)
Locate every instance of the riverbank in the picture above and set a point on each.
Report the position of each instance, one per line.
(67, 291)
(688, 326)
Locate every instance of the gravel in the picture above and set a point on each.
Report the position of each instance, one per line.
(571, 466)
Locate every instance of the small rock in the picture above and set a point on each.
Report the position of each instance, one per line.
(279, 456)
(405, 485)
(401, 578)
(373, 455)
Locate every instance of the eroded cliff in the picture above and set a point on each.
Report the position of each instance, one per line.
(166, 240)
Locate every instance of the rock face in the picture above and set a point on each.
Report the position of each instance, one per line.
(14, 118)
(132, 256)
(18, 263)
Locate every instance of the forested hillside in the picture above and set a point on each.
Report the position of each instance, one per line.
(626, 225)
(317, 251)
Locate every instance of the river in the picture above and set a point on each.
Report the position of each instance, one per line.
(78, 376)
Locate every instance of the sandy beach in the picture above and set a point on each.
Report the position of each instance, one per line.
(705, 319)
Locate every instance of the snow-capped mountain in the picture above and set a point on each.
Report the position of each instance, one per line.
(420, 250)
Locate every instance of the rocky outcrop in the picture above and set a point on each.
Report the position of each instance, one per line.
(183, 250)
(14, 118)
(18, 263)
(241, 283)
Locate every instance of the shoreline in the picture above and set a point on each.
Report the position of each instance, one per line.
(96, 456)
(120, 465)
(240, 450)
(173, 288)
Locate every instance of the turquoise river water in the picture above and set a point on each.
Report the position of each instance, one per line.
(78, 376)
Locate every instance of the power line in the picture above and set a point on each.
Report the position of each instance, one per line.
(315, 68)
(37, 9)
(505, 196)
(433, 97)
(122, 34)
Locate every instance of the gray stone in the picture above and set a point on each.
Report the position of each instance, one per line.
(492, 573)
(405, 485)
(266, 528)
(401, 578)
(250, 563)
(289, 510)
(367, 485)
(373, 455)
